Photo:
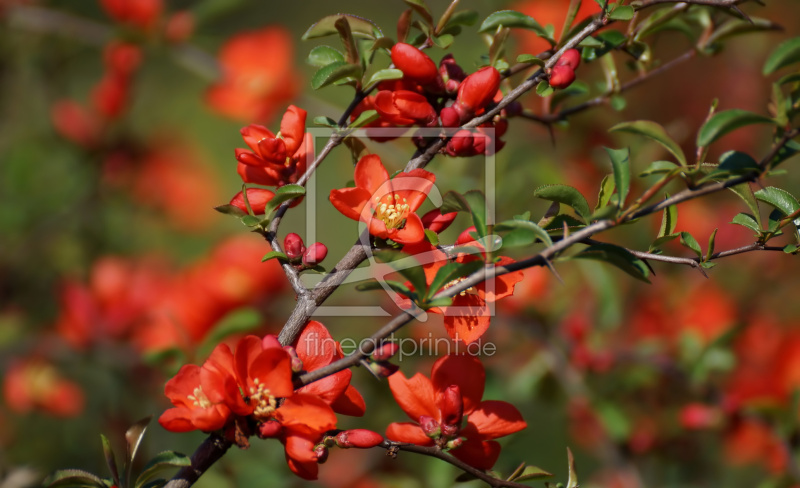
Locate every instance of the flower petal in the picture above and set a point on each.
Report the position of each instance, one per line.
(350, 403)
(467, 319)
(478, 454)
(307, 414)
(415, 395)
(408, 432)
(411, 233)
(370, 174)
(300, 456)
(315, 346)
(503, 285)
(414, 186)
(293, 127)
(413, 105)
(254, 133)
(493, 418)
(273, 368)
(260, 175)
(177, 420)
(350, 201)
(466, 372)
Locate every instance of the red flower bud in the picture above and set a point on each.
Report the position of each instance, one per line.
(293, 246)
(430, 426)
(464, 237)
(438, 222)
(699, 416)
(315, 254)
(571, 58)
(383, 369)
(451, 405)
(269, 429)
(449, 70)
(179, 26)
(461, 144)
(455, 443)
(450, 117)
(75, 123)
(385, 351)
(258, 198)
(478, 89)
(415, 64)
(321, 452)
(561, 76)
(122, 58)
(358, 438)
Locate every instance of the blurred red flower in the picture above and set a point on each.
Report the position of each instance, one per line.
(35, 384)
(139, 13)
(258, 75)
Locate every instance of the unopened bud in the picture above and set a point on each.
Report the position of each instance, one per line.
(358, 438)
(461, 144)
(321, 452)
(465, 236)
(455, 443)
(430, 426)
(479, 88)
(452, 406)
(385, 351)
(269, 429)
(561, 76)
(438, 222)
(571, 58)
(293, 246)
(383, 369)
(315, 254)
(415, 64)
(450, 117)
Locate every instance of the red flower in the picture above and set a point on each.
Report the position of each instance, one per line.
(437, 406)
(139, 13)
(415, 64)
(404, 107)
(257, 197)
(275, 160)
(387, 206)
(257, 75)
(36, 384)
(478, 89)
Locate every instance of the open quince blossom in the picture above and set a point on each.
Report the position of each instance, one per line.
(386, 205)
(438, 406)
(255, 382)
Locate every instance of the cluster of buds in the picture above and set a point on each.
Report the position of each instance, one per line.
(430, 96)
(379, 360)
(563, 73)
(296, 251)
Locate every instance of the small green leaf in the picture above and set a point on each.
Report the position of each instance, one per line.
(73, 477)
(250, 220)
(690, 242)
(275, 254)
(284, 194)
(163, 460)
(785, 54)
(511, 18)
(623, 13)
(395, 286)
(722, 123)
(607, 187)
(463, 17)
(747, 220)
(230, 210)
(661, 241)
(618, 102)
(325, 122)
(669, 221)
(738, 27)
(780, 199)
(364, 118)
(746, 194)
(620, 162)
(791, 248)
(543, 89)
(735, 162)
(324, 55)
(111, 460)
(473, 202)
(451, 272)
(385, 74)
(617, 256)
(522, 233)
(530, 59)
(711, 242)
(654, 131)
(572, 480)
(422, 9)
(658, 168)
(532, 473)
(439, 302)
(333, 72)
(358, 25)
(566, 195)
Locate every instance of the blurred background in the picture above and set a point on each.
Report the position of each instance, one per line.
(118, 124)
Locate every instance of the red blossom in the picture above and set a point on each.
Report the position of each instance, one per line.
(257, 197)
(455, 388)
(139, 13)
(35, 384)
(415, 64)
(386, 205)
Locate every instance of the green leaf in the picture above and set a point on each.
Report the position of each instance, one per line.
(737, 27)
(284, 194)
(358, 25)
(617, 256)
(133, 440)
(532, 473)
(111, 460)
(325, 122)
(274, 254)
(473, 202)
(324, 55)
(439, 302)
(511, 18)
(618, 102)
(557, 223)
(711, 242)
(620, 162)
(791, 248)
(250, 220)
(163, 460)
(690, 242)
(408, 267)
(735, 162)
(746, 194)
(669, 221)
(566, 195)
(661, 241)
(785, 54)
(613, 37)
(654, 131)
(747, 220)
(727, 121)
(451, 272)
(623, 13)
(543, 89)
(530, 59)
(422, 9)
(607, 187)
(522, 233)
(780, 199)
(73, 477)
(364, 118)
(572, 480)
(385, 74)
(463, 17)
(659, 167)
(333, 72)
(432, 237)
(230, 210)
(396, 286)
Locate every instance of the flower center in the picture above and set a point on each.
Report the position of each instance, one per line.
(471, 290)
(199, 398)
(265, 404)
(392, 210)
